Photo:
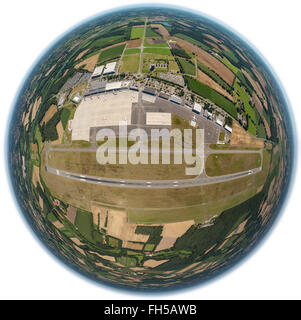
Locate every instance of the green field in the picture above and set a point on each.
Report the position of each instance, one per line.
(150, 33)
(193, 41)
(187, 66)
(130, 63)
(103, 42)
(84, 223)
(243, 95)
(215, 77)
(132, 51)
(226, 62)
(220, 164)
(110, 54)
(65, 116)
(137, 32)
(209, 93)
(159, 51)
(127, 261)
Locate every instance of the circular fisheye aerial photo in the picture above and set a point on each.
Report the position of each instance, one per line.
(150, 148)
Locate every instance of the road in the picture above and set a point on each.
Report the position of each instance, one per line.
(141, 48)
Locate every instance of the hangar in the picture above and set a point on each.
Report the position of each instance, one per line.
(110, 68)
(97, 72)
(102, 110)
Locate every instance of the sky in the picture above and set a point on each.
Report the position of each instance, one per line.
(28, 271)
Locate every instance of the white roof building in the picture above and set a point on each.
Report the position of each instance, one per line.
(110, 68)
(98, 71)
(76, 99)
(113, 85)
(220, 120)
(197, 107)
(228, 128)
(176, 99)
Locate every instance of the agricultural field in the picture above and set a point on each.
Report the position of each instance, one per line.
(137, 32)
(193, 41)
(187, 66)
(158, 51)
(155, 43)
(132, 51)
(110, 54)
(151, 33)
(212, 95)
(207, 59)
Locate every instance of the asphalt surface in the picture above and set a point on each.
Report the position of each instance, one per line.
(163, 184)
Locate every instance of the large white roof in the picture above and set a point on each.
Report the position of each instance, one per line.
(197, 107)
(98, 71)
(113, 85)
(110, 67)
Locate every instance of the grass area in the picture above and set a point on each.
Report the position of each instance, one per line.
(221, 136)
(187, 66)
(130, 63)
(113, 242)
(74, 144)
(193, 41)
(65, 114)
(209, 93)
(160, 51)
(127, 261)
(228, 147)
(86, 163)
(132, 51)
(137, 32)
(84, 223)
(38, 138)
(111, 53)
(220, 164)
(160, 205)
(117, 141)
(242, 95)
(149, 247)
